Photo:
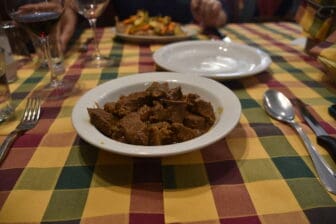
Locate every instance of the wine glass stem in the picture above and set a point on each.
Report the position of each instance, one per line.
(93, 28)
(46, 52)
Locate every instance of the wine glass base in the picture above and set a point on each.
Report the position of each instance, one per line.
(57, 90)
(98, 62)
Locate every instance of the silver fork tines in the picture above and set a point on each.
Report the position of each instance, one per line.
(32, 111)
(28, 121)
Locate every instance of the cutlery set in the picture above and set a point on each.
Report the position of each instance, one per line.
(278, 106)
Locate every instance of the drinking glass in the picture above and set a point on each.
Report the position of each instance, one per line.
(40, 17)
(6, 108)
(91, 10)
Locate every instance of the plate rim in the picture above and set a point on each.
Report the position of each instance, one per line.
(89, 133)
(265, 59)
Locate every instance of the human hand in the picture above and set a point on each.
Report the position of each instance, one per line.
(40, 7)
(209, 13)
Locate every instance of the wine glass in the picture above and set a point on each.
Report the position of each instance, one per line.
(91, 10)
(40, 17)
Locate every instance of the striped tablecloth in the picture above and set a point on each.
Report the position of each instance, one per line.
(259, 173)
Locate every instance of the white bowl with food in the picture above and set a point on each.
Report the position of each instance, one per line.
(225, 104)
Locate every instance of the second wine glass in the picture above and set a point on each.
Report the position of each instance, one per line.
(91, 10)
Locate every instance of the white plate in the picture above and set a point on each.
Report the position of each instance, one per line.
(157, 39)
(226, 105)
(213, 59)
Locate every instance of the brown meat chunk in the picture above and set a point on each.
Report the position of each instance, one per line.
(110, 107)
(159, 113)
(144, 112)
(175, 94)
(160, 133)
(195, 121)
(157, 89)
(135, 130)
(177, 110)
(103, 121)
(183, 133)
(191, 99)
(130, 103)
(205, 109)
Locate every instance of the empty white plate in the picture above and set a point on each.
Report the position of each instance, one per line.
(213, 59)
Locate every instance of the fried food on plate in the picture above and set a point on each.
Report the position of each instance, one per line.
(142, 24)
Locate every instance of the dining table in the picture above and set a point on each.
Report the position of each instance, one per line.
(260, 172)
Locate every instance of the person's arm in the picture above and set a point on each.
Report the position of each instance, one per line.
(209, 13)
(67, 24)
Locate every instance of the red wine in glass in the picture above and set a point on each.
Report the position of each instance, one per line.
(40, 23)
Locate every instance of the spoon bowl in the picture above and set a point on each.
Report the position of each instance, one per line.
(278, 106)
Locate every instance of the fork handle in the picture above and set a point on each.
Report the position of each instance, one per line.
(6, 145)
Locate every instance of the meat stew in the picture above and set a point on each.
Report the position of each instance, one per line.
(158, 115)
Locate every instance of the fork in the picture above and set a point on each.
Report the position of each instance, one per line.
(28, 121)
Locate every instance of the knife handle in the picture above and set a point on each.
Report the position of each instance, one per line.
(332, 110)
(329, 143)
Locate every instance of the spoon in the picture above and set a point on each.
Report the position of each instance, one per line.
(278, 106)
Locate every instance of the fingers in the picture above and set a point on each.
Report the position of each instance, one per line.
(195, 6)
(208, 12)
(40, 7)
(67, 27)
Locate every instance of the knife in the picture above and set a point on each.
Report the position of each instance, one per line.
(332, 111)
(215, 32)
(323, 138)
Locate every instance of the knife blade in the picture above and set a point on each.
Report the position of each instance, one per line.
(323, 138)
